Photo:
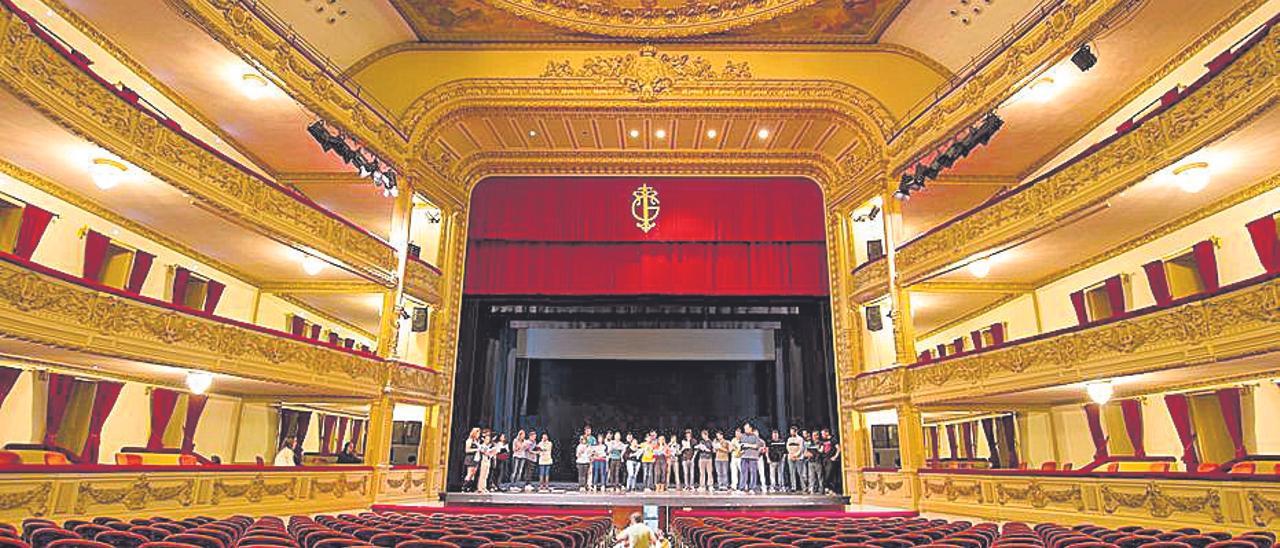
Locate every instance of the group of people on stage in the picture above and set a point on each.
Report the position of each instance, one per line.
(802, 462)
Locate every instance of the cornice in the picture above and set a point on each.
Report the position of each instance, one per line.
(947, 286)
(40, 76)
(322, 286)
(47, 310)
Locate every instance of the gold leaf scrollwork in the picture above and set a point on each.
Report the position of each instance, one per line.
(953, 491)
(1161, 505)
(881, 485)
(649, 73)
(255, 490)
(1039, 497)
(339, 487)
(1264, 509)
(135, 496)
(34, 500)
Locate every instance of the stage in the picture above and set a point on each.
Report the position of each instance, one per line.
(671, 499)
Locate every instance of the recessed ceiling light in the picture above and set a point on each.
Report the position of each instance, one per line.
(635, 134)
(533, 133)
(712, 133)
(312, 265)
(980, 268)
(199, 381)
(107, 173)
(763, 133)
(1042, 90)
(254, 86)
(660, 133)
(1100, 392)
(1192, 177)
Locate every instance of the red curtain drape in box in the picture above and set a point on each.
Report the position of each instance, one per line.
(1077, 302)
(925, 357)
(342, 433)
(105, 394)
(357, 430)
(8, 378)
(327, 422)
(59, 398)
(1158, 282)
(1207, 264)
(304, 423)
(951, 441)
(95, 254)
(967, 437)
(333, 338)
(1009, 440)
(297, 324)
(1180, 412)
(195, 409)
(31, 229)
(989, 434)
(942, 350)
(1131, 410)
(213, 294)
(181, 277)
(958, 343)
(577, 236)
(997, 334)
(1115, 295)
(163, 401)
(976, 337)
(138, 274)
(935, 452)
(1229, 400)
(315, 332)
(1265, 243)
(1093, 414)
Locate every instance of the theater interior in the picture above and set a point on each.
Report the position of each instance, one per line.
(266, 265)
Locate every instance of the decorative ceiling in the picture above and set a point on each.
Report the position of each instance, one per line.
(801, 21)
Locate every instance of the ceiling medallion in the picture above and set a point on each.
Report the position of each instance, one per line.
(648, 73)
(650, 18)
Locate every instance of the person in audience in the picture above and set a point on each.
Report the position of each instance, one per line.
(287, 454)
(488, 449)
(735, 461)
(637, 535)
(633, 454)
(215, 460)
(599, 464)
(544, 462)
(749, 444)
(688, 457)
(520, 446)
(722, 449)
(796, 467)
(706, 455)
(615, 447)
(777, 456)
(471, 458)
(582, 458)
(348, 454)
(813, 459)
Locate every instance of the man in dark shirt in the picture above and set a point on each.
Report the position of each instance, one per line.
(777, 455)
(751, 445)
(830, 459)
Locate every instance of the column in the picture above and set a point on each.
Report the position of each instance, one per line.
(377, 452)
(903, 331)
(911, 448)
(855, 448)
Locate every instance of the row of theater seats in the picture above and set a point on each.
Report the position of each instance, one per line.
(345, 530)
(937, 533)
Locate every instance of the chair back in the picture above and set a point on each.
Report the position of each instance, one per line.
(53, 458)
(128, 459)
(9, 458)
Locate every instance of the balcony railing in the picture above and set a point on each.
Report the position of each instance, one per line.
(423, 281)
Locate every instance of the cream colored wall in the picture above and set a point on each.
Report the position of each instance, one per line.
(273, 313)
(426, 235)
(867, 230)
(1266, 408)
(414, 347)
(312, 442)
(1019, 315)
(129, 423)
(216, 433)
(1072, 430)
(18, 413)
(259, 424)
(1035, 438)
(878, 348)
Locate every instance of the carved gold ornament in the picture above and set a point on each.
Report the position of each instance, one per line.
(645, 208)
(34, 500)
(1038, 497)
(339, 487)
(136, 496)
(649, 73)
(255, 490)
(1161, 505)
(651, 18)
(1264, 509)
(952, 491)
(879, 484)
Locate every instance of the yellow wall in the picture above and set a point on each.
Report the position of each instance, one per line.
(878, 348)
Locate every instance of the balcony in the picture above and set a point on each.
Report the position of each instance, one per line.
(1225, 331)
(424, 282)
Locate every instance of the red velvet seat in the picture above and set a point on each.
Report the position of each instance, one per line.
(153, 534)
(196, 539)
(77, 543)
(1231, 544)
(339, 543)
(41, 538)
(265, 540)
(12, 542)
(439, 544)
(121, 539)
(390, 540)
(811, 542)
(166, 544)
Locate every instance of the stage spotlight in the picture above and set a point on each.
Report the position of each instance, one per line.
(1084, 58)
(989, 126)
(875, 211)
(954, 152)
(929, 172)
(320, 134)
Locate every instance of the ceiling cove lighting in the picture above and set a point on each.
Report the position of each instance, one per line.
(198, 382)
(1192, 177)
(763, 133)
(1100, 391)
(107, 173)
(366, 163)
(312, 265)
(1042, 90)
(660, 133)
(980, 268)
(635, 133)
(711, 133)
(254, 86)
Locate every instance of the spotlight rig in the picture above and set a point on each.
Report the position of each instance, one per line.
(959, 148)
(366, 163)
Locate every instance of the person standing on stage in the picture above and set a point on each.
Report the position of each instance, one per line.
(687, 457)
(796, 468)
(471, 458)
(501, 462)
(750, 445)
(646, 460)
(632, 456)
(545, 459)
(705, 453)
(615, 448)
(813, 456)
(831, 460)
(487, 449)
(660, 462)
(722, 448)
(673, 464)
(735, 461)
(582, 459)
(519, 458)
(777, 455)
(599, 464)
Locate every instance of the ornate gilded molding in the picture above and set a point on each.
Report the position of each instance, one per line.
(40, 76)
(1038, 497)
(34, 500)
(1264, 509)
(254, 490)
(340, 486)
(1161, 505)
(1238, 95)
(951, 490)
(423, 282)
(419, 382)
(135, 496)
(650, 19)
(877, 484)
(869, 281)
(648, 74)
(46, 309)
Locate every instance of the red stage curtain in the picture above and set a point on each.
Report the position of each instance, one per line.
(951, 441)
(1077, 302)
(1265, 243)
(60, 387)
(935, 452)
(195, 408)
(327, 422)
(1131, 410)
(342, 432)
(138, 274)
(1207, 264)
(1158, 282)
(105, 394)
(1229, 400)
(997, 334)
(30, 230)
(1093, 414)
(1180, 412)
(8, 378)
(212, 296)
(1115, 295)
(163, 401)
(976, 337)
(181, 277)
(576, 236)
(95, 253)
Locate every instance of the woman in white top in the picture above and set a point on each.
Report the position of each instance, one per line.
(487, 450)
(544, 461)
(285, 457)
(471, 458)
